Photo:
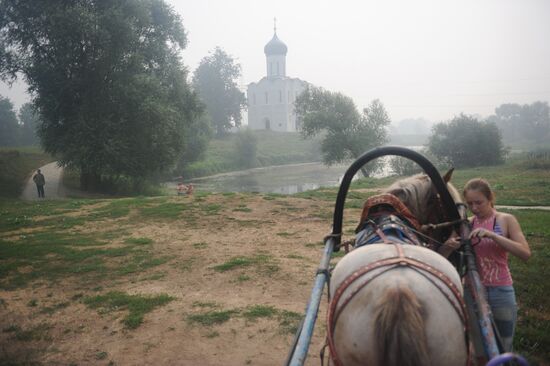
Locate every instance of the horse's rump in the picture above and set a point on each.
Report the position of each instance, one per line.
(369, 309)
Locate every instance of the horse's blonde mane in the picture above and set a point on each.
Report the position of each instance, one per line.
(416, 191)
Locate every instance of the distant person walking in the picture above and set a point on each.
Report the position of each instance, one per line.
(39, 180)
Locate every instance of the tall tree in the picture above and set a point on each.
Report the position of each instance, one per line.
(107, 79)
(29, 123)
(467, 142)
(523, 122)
(347, 132)
(215, 79)
(9, 130)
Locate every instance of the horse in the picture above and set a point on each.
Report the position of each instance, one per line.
(393, 299)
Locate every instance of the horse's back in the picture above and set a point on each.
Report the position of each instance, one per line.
(361, 324)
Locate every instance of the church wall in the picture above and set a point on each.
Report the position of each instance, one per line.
(281, 94)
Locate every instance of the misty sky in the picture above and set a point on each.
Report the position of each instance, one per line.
(430, 59)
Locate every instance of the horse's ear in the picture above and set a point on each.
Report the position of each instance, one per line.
(448, 175)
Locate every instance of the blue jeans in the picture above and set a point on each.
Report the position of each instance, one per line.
(502, 300)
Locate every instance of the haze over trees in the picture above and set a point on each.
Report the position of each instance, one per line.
(215, 80)
(347, 132)
(467, 142)
(8, 123)
(107, 80)
(520, 123)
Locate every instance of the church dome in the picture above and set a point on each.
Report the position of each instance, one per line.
(275, 47)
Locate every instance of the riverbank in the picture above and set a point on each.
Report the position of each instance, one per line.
(272, 148)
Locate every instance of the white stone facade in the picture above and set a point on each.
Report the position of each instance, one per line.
(271, 100)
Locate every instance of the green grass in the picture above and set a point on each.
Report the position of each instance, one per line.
(532, 338)
(16, 165)
(259, 311)
(139, 241)
(288, 320)
(136, 305)
(211, 317)
(36, 333)
(273, 148)
(263, 262)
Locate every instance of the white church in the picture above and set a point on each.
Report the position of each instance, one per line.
(271, 100)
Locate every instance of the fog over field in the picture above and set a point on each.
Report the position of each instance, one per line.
(424, 59)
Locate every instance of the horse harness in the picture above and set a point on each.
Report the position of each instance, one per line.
(385, 218)
(439, 279)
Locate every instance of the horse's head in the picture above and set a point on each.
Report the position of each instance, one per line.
(421, 198)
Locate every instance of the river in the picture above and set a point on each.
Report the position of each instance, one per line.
(284, 179)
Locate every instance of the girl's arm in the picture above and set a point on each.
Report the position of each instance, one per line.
(515, 243)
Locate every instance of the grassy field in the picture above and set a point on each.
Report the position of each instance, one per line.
(15, 166)
(274, 148)
(194, 280)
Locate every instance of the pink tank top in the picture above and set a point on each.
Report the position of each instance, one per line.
(492, 259)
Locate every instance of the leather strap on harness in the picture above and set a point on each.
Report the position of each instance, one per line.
(390, 200)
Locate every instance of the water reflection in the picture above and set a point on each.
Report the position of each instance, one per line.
(287, 179)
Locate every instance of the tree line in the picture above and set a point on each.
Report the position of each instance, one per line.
(110, 88)
(17, 129)
(113, 99)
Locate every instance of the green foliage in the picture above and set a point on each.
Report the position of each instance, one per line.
(404, 167)
(15, 166)
(466, 142)
(273, 148)
(347, 133)
(246, 147)
(29, 120)
(137, 305)
(215, 80)
(107, 81)
(9, 129)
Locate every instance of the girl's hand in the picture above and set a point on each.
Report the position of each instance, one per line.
(481, 233)
(453, 243)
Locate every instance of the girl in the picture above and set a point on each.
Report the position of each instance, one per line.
(494, 235)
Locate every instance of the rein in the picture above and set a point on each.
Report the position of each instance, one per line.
(436, 277)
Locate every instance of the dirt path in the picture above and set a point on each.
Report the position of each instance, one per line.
(53, 188)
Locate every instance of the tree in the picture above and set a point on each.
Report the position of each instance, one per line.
(246, 148)
(29, 123)
(520, 122)
(215, 80)
(347, 133)
(8, 123)
(107, 80)
(467, 142)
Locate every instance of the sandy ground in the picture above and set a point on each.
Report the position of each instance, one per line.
(288, 231)
(57, 328)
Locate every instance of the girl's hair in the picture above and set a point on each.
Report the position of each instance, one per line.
(480, 185)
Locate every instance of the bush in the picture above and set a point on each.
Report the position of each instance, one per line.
(246, 148)
(403, 166)
(466, 142)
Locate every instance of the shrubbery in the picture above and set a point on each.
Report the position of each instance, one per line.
(467, 142)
